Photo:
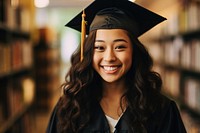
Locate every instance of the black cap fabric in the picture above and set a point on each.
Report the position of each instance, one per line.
(116, 14)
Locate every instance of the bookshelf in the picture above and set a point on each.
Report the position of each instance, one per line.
(47, 69)
(16, 75)
(177, 57)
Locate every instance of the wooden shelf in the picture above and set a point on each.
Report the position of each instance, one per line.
(182, 69)
(15, 73)
(195, 114)
(6, 32)
(186, 36)
(186, 71)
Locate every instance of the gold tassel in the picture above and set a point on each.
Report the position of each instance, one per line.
(83, 33)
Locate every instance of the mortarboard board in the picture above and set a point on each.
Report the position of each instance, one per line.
(145, 19)
(115, 14)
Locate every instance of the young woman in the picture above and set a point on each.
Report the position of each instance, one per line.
(113, 88)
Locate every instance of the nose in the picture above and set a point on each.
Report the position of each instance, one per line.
(109, 55)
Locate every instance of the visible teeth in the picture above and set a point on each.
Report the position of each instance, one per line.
(110, 68)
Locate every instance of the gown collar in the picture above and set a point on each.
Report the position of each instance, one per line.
(99, 121)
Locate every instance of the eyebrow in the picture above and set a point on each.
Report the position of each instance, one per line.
(120, 40)
(117, 40)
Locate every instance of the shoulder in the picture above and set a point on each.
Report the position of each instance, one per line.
(166, 118)
(167, 107)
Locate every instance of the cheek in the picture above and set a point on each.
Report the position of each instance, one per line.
(128, 59)
(95, 60)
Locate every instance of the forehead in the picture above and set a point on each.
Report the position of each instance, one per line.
(111, 33)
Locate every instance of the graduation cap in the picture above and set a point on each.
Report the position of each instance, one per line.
(114, 14)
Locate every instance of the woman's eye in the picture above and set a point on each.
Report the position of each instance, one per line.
(121, 47)
(99, 48)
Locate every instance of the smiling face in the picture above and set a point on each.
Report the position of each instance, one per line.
(112, 54)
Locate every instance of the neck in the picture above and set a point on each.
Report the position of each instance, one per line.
(111, 101)
(111, 90)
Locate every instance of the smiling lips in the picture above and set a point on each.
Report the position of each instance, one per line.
(110, 69)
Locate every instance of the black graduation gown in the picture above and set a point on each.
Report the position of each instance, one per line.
(164, 120)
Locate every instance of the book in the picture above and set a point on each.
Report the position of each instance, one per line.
(172, 83)
(27, 54)
(192, 93)
(2, 11)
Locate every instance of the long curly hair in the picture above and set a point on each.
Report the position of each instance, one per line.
(83, 85)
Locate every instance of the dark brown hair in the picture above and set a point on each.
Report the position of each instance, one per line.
(83, 85)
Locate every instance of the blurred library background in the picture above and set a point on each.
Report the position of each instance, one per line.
(35, 50)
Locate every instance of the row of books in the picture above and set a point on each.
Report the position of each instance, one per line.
(15, 56)
(20, 92)
(19, 95)
(187, 19)
(24, 125)
(189, 91)
(183, 54)
(192, 93)
(14, 15)
(190, 55)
